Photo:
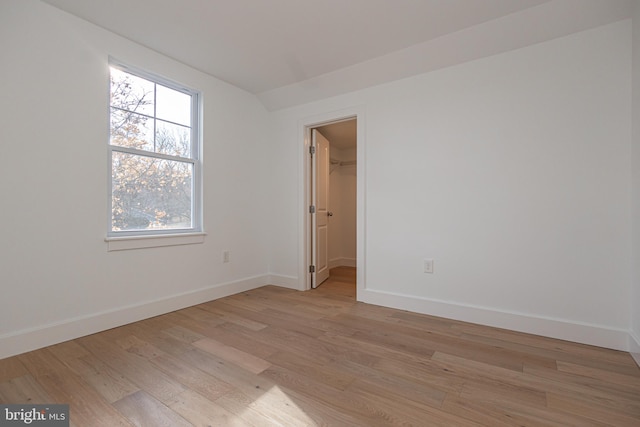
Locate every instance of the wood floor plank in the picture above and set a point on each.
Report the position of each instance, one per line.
(586, 388)
(111, 385)
(10, 368)
(186, 334)
(319, 413)
(279, 304)
(498, 392)
(282, 407)
(599, 374)
(406, 344)
(345, 401)
(322, 350)
(590, 356)
(143, 410)
(605, 414)
(200, 411)
(199, 314)
(427, 340)
(278, 357)
(244, 303)
(24, 389)
(281, 320)
(431, 374)
(232, 335)
(248, 383)
(525, 414)
(253, 412)
(424, 321)
(254, 389)
(402, 412)
(248, 361)
(137, 369)
(477, 411)
(537, 379)
(86, 407)
(378, 381)
(195, 379)
(320, 372)
(209, 386)
(68, 350)
(41, 362)
(156, 334)
(228, 315)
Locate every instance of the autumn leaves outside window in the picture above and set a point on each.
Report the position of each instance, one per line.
(153, 155)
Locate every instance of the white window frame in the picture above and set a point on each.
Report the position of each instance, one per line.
(133, 239)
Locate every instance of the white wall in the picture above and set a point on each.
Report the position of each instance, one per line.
(512, 172)
(57, 278)
(348, 175)
(635, 297)
(342, 225)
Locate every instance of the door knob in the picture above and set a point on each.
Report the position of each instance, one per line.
(329, 213)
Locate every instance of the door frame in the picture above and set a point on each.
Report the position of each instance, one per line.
(304, 192)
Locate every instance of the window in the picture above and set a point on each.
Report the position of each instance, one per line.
(153, 155)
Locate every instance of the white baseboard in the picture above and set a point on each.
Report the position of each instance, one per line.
(290, 282)
(553, 328)
(634, 347)
(34, 338)
(342, 262)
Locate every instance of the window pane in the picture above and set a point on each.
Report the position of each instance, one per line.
(132, 93)
(131, 130)
(173, 106)
(150, 194)
(173, 139)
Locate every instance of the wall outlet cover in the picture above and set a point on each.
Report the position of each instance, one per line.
(428, 266)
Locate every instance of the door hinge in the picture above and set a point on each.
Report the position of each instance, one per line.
(312, 209)
(312, 150)
(312, 269)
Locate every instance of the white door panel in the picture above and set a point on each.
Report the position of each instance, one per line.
(320, 190)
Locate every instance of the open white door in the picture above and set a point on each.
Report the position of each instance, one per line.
(320, 208)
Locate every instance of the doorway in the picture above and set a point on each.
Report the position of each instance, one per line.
(333, 190)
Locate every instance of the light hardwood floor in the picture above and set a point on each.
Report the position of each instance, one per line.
(274, 356)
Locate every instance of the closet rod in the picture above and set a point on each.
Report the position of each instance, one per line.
(341, 163)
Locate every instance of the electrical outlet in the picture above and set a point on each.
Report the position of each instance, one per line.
(428, 266)
(226, 255)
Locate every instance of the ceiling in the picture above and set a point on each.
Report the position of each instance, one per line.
(342, 134)
(293, 51)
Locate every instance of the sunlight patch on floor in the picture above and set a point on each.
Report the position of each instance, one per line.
(282, 409)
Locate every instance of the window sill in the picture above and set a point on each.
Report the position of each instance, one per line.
(125, 243)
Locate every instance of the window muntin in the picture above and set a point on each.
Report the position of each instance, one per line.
(153, 151)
